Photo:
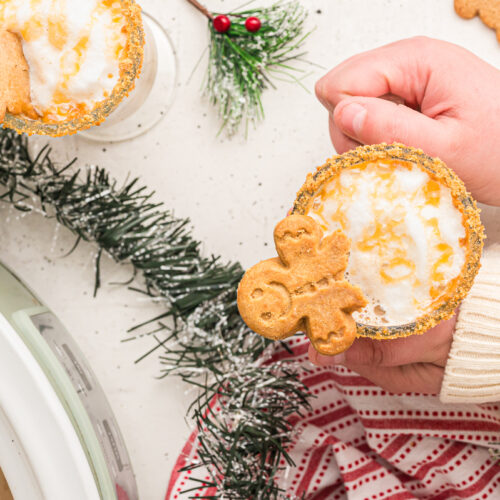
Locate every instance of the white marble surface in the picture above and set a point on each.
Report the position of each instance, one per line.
(233, 190)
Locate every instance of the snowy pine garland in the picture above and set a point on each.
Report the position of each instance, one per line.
(208, 345)
(243, 63)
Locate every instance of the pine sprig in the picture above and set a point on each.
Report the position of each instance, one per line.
(209, 346)
(243, 64)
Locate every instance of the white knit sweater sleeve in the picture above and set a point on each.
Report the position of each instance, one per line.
(472, 372)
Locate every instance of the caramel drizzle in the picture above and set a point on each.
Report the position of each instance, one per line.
(397, 267)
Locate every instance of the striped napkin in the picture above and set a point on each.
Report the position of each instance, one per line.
(360, 442)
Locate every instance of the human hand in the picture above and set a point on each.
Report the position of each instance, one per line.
(411, 364)
(451, 107)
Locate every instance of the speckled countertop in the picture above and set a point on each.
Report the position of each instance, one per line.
(233, 191)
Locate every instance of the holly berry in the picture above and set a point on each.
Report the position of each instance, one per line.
(222, 24)
(253, 24)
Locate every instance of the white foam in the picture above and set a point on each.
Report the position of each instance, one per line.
(399, 268)
(50, 66)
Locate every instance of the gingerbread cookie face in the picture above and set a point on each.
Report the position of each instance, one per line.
(303, 289)
(487, 10)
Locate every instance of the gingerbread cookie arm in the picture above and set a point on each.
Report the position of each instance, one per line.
(349, 297)
(488, 11)
(334, 252)
(467, 8)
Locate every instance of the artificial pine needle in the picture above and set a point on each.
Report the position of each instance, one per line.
(241, 63)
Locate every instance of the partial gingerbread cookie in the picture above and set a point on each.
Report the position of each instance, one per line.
(14, 77)
(5, 493)
(303, 289)
(488, 11)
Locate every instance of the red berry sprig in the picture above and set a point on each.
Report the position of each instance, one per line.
(222, 24)
(253, 24)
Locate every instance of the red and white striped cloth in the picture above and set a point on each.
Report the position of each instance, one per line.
(361, 443)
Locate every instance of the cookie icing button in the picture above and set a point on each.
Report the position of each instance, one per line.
(303, 289)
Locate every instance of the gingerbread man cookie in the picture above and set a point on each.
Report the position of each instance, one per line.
(488, 11)
(303, 289)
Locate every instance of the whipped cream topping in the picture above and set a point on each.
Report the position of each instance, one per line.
(407, 237)
(73, 49)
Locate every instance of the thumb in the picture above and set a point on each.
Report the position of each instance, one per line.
(371, 120)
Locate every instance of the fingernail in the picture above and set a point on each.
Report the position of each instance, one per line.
(322, 360)
(318, 88)
(339, 359)
(352, 118)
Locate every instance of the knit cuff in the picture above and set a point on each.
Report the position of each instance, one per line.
(472, 372)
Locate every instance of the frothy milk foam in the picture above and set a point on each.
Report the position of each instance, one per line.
(407, 237)
(73, 49)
